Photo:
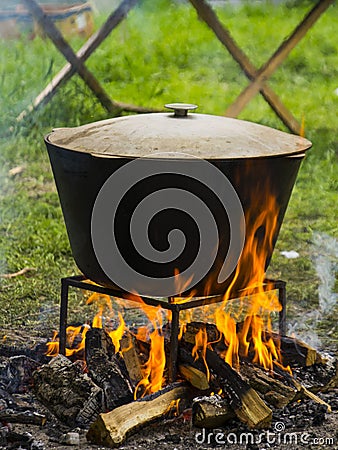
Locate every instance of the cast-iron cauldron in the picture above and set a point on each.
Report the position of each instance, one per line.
(175, 171)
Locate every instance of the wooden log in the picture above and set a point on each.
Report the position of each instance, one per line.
(297, 353)
(211, 412)
(20, 371)
(98, 339)
(246, 403)
(294, 352)
(23, 417)
(192, 328)
(68, 392)
(131, 358)
(111, 429)
(194, 376)
(308, 394)
(273, 391)
(185, 357)
(104, 368)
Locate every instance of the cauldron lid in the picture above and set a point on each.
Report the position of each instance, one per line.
(200, 135)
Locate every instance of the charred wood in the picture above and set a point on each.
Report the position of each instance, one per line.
(18, 376)
(246, 403)
(106, 369)
(111, 429)
(192, 328)
(297, 353)
(98, 339)
(68, 392)
(37, 353)
(273, 391)
(211, 411)
(23, 417)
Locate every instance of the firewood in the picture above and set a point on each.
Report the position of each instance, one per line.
(193, 328)
(211, 411)
(23, 417)
(98, 339)
(19, 373)
(196, 377)
(185, 357)
(306, 393)
(246, 403)
(295, 352)
(273, 391)
(67, 392)
(131, 358)
(105, 369)
(111, 429)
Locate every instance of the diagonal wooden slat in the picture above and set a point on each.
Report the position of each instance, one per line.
(62, 45)
(76, 61)
(277, 58)
(208, 15)
(114, 19)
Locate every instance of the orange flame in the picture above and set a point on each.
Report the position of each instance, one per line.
(75, 341)
(153, 369)
(259, 303)
(200, 348)
(116, 335)
(173, 406)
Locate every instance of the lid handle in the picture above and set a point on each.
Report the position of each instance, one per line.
(181, 109)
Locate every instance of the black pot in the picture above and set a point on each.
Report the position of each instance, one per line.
(260, 163)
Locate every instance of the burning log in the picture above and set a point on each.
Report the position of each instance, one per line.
(111, 429)
(192, 328)
(191, 369)
(67, 392)
(194, 376)
(104, 367)
(293, 351)
(246, 403)
(131, 358)
(211, 412)
(273, 391)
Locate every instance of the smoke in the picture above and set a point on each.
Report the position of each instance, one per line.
(306, 326)
(326, 263)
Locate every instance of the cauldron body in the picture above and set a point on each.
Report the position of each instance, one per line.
(80, 176)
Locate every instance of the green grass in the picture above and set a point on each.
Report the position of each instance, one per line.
(160, 54)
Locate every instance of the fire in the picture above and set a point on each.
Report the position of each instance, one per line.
(200, 348)
(75, 341)
(227, 325)
(153, 369)
(258, 303)
(174, 406)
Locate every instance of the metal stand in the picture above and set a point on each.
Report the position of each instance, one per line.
(175, 308)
